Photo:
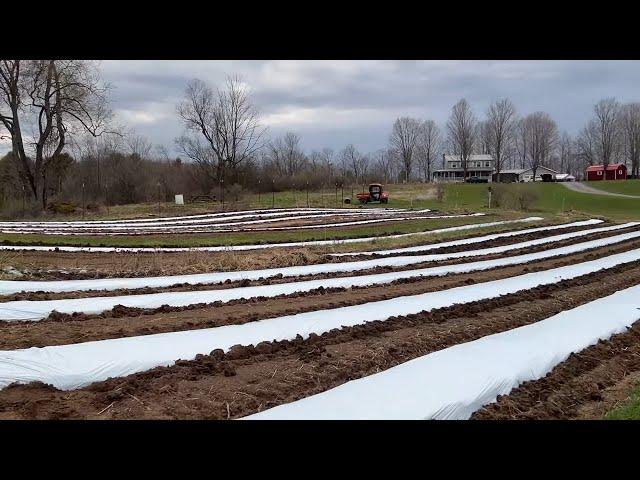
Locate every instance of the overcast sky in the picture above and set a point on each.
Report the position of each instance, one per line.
(333, 103)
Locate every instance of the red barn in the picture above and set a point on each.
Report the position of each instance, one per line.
(615, 171)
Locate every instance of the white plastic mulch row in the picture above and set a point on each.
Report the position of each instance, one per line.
(34, 310)
(453, 383)
(220, 215)
(219, 229)
(13, 286)
(269, 245)
(469, 241)
(73, 366)
(199, 222)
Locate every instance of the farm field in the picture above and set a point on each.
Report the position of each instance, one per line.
(466, 311)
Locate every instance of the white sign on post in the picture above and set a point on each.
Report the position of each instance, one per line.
(179, 200)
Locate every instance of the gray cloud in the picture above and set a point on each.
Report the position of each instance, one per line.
(331, 103)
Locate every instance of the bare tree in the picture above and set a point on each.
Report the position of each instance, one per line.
(521, 143)
(139, 145)
(630, 124)
(429, 147)
(541, 135)
(587, 144)
(565, 153)
(54, 99)
(286, 155)
(404, 139)
(384, 164)
(227, 121)
(607, 129)
(354, 161)
(462, 131)
(499, 131)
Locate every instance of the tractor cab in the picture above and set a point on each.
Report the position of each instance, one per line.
(375, 191)
(376, 194)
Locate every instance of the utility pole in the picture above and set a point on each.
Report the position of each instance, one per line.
(83, 200)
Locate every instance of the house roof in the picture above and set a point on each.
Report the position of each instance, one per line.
(470, 169)
(472, 158)
(520, 171)
(611, 166)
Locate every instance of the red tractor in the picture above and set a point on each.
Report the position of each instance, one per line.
(375, 195)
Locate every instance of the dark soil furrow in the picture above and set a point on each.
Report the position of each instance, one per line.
(248, 379)
(281, 279)
(580, 381)
(51, 265)
(124, 321)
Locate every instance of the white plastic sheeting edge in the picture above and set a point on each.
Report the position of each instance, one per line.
(209, 215)
(232, 248)
(455, 382)
(15, 286)
(240, 229)
(73, 366)
(201, 222)
(468, 241)
(37, 310)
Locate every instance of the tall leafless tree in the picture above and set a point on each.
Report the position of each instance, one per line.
(521, 143)
(139, 145)
(384, 164)
(607, 128)
(227, 121)
(353, 161)
(286, 155)
(499, 131)
(541, 135)
(587, 145)
(43, 103)
(404, 139)
(565, 153)
(429, 147)
(630, 125)
(462, 131)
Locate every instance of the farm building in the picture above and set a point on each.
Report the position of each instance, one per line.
(480, 166)
(614, 171)
(564, 177)
(525, 175)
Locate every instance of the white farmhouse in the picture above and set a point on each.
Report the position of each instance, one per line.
(480, 166)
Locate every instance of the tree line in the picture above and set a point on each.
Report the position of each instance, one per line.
(65, 145)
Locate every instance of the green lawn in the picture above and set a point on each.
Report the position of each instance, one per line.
(626, 187)
(557, 198)
(628, 411)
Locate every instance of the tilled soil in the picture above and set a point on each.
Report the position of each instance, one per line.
(84, 265)
(627, 245)
(59, 329)
(248, 379)
(585, 386)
